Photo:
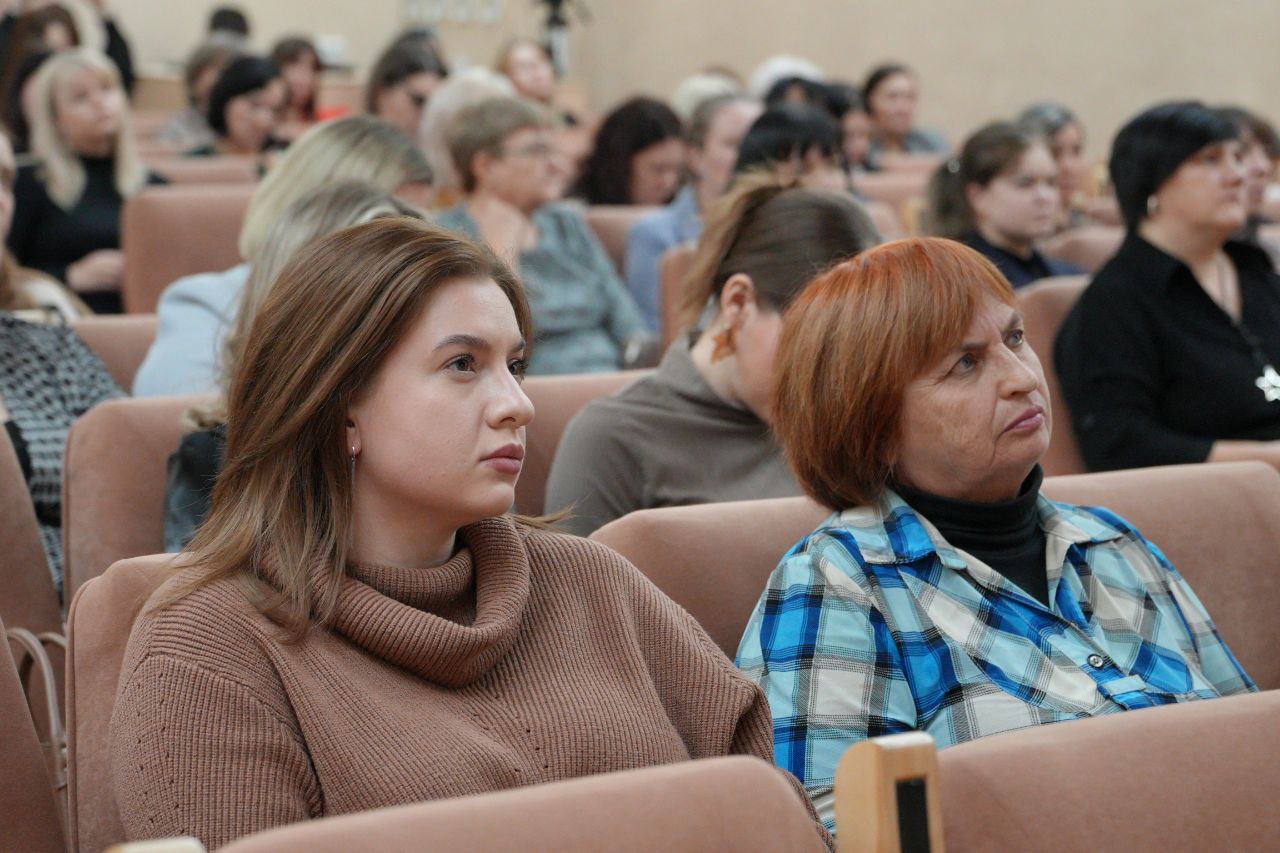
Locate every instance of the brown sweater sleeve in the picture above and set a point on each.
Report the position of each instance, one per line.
(196, 753)
(717, 710)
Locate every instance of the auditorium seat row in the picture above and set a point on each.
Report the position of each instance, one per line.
(1218, 523)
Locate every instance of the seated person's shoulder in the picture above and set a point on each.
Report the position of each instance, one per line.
(213, 291)
(215, 627)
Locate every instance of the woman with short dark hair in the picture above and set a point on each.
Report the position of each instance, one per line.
(245, 108)
(946, 594)
(1171, 355)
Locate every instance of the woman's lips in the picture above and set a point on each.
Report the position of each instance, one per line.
(1031, 419)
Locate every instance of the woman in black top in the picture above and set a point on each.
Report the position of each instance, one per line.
(1170, 355)
(999, 196)
(67, 205)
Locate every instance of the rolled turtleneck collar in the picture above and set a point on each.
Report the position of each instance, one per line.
(449, 624)
(1006, 535)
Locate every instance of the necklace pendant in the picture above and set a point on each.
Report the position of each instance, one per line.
(1269, 383)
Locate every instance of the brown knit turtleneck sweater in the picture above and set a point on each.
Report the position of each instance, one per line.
(528, 657)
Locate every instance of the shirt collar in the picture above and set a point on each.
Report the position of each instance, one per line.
(1160, 267)
(889, 531)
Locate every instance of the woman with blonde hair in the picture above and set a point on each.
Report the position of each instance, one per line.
(196, 312)
(459, 91)
(359, 608)
(68, 202)
(194, 466)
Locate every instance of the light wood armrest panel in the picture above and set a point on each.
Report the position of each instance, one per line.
(867, 781)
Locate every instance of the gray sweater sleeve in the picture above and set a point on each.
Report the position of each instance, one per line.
(595, 474)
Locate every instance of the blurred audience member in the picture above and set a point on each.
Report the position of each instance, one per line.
(1065, 136)
(401, 84)
(637, 156)
(775, 68)
(459, 91)
(190, 128)
(245, 108)
(195, 313)
(1169, 357)
(714, 134)
(300, 66)
(67, 211)
(527, 64)
(798, 143)
(512, 173)
(891, 94)
(697, 430)
(1000, 196)
(230, 20)
(20, 99)
(693, 90)
(26, 292)
(1261, 153)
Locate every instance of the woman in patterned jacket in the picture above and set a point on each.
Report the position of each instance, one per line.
(947, 595)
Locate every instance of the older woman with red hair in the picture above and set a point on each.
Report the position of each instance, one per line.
(946, 594)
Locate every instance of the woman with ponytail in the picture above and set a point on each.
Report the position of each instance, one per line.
(999, 197)
(697, 429)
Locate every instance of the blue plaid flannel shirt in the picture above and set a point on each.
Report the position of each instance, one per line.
(873, 624)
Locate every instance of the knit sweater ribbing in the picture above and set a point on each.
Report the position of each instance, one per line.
(529, 657)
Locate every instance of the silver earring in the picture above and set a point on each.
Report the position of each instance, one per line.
(1153, 205)
(353, 462)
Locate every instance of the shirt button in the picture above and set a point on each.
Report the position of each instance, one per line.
(1096, 661)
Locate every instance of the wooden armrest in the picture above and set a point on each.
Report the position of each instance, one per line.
(184, 844)
(868, 781)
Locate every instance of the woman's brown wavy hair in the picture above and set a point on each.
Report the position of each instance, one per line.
(279, 520)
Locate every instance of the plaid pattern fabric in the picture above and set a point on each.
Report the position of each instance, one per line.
(873, 625)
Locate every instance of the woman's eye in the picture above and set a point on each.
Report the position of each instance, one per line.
(518, 367)
(463, 363)
(965, 363)
(1017, 338)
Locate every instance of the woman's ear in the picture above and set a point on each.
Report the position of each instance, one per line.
(737, 299)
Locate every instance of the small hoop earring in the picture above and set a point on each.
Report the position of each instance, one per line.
(1153, 205)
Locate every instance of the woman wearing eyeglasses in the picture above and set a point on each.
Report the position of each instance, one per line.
(512, 173)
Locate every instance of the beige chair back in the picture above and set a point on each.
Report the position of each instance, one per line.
(29, 599)
(120, 340)
(1194, 776)
(713, 559)
(672, 271)
(1088, 247)
(1045, 304)
(169, 232)
(612, 224)
(1218, 524)
(556, 399)
(1199, 776)
(734, 803)
(114, 481)
(98, 625)
(896, 188)
(29, 818)
(205, 170)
